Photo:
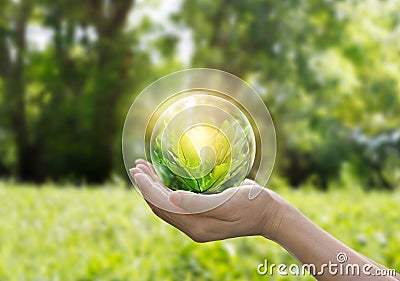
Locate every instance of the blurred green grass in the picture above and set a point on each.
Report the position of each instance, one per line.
(108, 233)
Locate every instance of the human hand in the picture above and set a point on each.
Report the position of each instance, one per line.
(235, 212)
(213, 216)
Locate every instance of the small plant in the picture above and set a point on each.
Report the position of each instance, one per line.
(201, 156)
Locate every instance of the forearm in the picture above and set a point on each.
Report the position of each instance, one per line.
(311, 245)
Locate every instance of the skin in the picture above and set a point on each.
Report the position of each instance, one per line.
(268, 215)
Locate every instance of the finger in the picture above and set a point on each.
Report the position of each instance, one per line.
(148, 164)
(140, 161)
(150, 169)
(155, 194)
(149, 172)
(200, 203)
(151, 185)
(146, 170)
(135, 171)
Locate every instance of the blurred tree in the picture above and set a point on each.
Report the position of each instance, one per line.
(93, 75)
(62, 101)
(12, 66)
(328, 70)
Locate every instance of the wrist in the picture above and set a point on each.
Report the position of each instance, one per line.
(289, 228)
(278, 216)
(299, 236)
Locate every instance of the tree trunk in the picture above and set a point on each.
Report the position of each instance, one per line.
(12, 70)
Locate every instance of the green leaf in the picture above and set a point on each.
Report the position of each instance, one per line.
(187, 152)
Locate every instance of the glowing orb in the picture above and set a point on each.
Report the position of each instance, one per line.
(201, 142)
(204, 130)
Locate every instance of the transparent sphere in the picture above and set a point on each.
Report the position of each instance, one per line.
(201, 141)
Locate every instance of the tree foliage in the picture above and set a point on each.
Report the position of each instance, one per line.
(326, 70)
(62, 101)
(329, 72)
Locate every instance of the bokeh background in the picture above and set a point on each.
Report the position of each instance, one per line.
(329, 72)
